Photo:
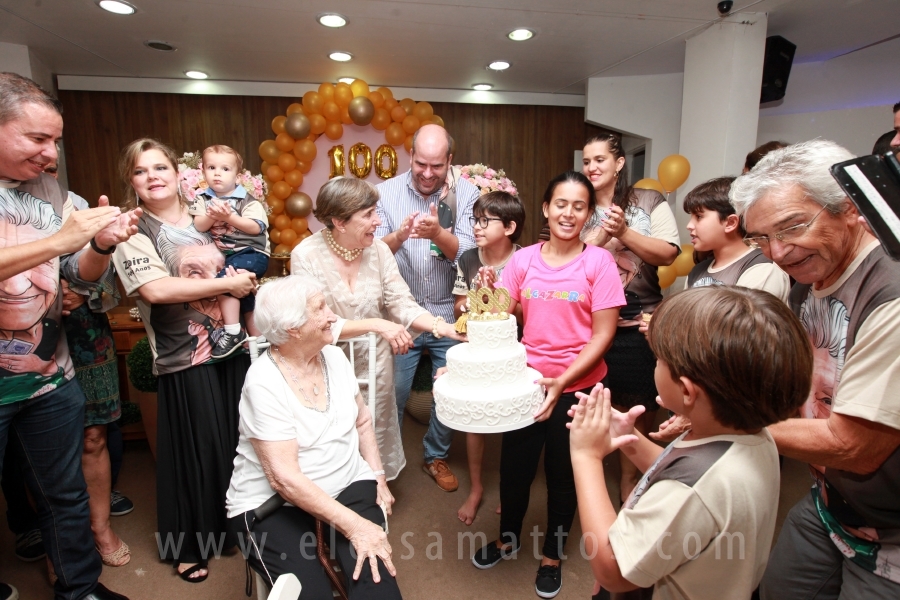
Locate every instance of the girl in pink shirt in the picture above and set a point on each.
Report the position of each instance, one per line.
(570, 295)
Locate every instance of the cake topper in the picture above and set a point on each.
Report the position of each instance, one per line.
(482, 303)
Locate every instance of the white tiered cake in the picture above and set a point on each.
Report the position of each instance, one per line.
(488, 387)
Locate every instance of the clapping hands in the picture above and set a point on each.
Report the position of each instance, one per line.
(597, 429)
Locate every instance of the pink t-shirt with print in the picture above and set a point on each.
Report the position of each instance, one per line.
(557, 303)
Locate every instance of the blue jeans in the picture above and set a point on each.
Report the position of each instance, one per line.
(250, 260)
(437, 440)
(50, 429)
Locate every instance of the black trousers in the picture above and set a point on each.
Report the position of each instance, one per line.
(519, 457)
(289, 546)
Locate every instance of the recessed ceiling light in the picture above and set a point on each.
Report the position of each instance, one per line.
(347, 80)
(196, 74)
(499, 65)
(332, 20)
(117, 6)
(482, 87)
(160, 45)
(340, 56)
(520, 35)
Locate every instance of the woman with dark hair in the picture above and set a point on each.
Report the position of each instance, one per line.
(638, 227)
(563, 285)
(756, 155)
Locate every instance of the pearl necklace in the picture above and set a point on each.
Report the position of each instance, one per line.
(296, 380)
(348, 255)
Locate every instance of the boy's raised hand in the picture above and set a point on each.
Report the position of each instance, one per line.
(218, 210)
(592, 429)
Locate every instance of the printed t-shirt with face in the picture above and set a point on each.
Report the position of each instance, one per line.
(228, 238)
(557, 306)
(852, 326)
(467, 269)
(34, 356)
(752, 270)
(182, 334)
(699, 524)
(651, 216)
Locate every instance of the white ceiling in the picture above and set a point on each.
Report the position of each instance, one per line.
(416, 43)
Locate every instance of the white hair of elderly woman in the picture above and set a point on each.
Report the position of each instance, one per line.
(805, 165)
(281, 305)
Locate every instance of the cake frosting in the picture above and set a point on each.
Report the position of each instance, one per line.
(488, 387)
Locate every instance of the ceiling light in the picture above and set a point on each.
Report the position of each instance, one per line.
(347, 80)
(117, 6)
(160, 45)
(520, 35)
(340, 56)
(196, 74)
(332, 20)
(499, 65)
(482, 87)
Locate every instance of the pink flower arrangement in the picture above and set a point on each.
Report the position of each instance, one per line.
(190, 177)
(487, 179)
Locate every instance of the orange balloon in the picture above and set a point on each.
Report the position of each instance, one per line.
(296, 107)
(299, 224)
(280, 189)
(395, 135)
(282, 222)
(263, 166)
(381, 120)
(305, 150)
(376, 98)
(410, 124)
(422, 111)
(390, 104)
(398, 114)
(288, 235)
(408, 105)
(407, 143)
(306, 235)
(359, 88)
(276, 204)
(684, 262)
(294, 178)
(317, 124)
(312, 137)
(342, 94)
(287, 162)
(326, 91)
(281, 249)
(331, 111)
(312, 103)
(437, 120)
(299, 239)
(334, 131)
(275, 236)
(278, 124)
(425, 122)
(284, 142)
(304, 166)
(346, 119)
(667, 276)
(274, 173)
(268, 151)
(386, 92)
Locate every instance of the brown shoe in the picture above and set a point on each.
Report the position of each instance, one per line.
(442, 474)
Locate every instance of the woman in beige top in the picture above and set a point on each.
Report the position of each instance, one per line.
(364, 288)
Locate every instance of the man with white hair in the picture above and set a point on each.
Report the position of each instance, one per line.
(41, 237)
(843, 540)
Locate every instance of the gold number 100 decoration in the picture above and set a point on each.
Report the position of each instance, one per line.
(337, 162)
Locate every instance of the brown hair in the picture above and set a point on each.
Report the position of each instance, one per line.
(743, 347)
(623, 194)
(504, 206)
(222, 149)
(712, 195)
(343, 197)
(757, 154)
(129, 157)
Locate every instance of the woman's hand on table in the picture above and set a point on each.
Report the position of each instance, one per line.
(370, 542)
(384, 496)
(396, 335)
(553, 388)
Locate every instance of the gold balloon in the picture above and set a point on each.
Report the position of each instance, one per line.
(684, 262)
(278, 124)
(673, 171)
(268, 151)
(361, 110)
(296, 205)
(297, 125)
(423, 110)
(667, 276)
(336, 160)
(650, 184)
(385, 151)
(360, 171)
(359, 88)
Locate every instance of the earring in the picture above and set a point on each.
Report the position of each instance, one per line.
(617, 174)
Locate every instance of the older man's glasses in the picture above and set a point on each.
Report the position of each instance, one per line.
(786, 236)
(483, 222)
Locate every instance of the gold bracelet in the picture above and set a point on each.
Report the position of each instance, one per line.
(434, 325)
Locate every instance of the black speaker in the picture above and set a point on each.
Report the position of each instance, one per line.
(776, 68)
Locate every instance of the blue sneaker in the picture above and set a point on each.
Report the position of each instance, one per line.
(119, 505)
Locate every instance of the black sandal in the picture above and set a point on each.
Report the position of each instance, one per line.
(186, 574)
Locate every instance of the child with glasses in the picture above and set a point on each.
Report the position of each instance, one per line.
(497, 221)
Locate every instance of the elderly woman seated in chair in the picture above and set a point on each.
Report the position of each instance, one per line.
(306, 434)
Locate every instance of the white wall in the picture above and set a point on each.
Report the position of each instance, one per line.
(854, 128)
(14, 59)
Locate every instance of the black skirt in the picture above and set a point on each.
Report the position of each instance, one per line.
(196, 444)
(631, 364)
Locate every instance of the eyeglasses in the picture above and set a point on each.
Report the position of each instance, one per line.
(483, 222)
(786, 236)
